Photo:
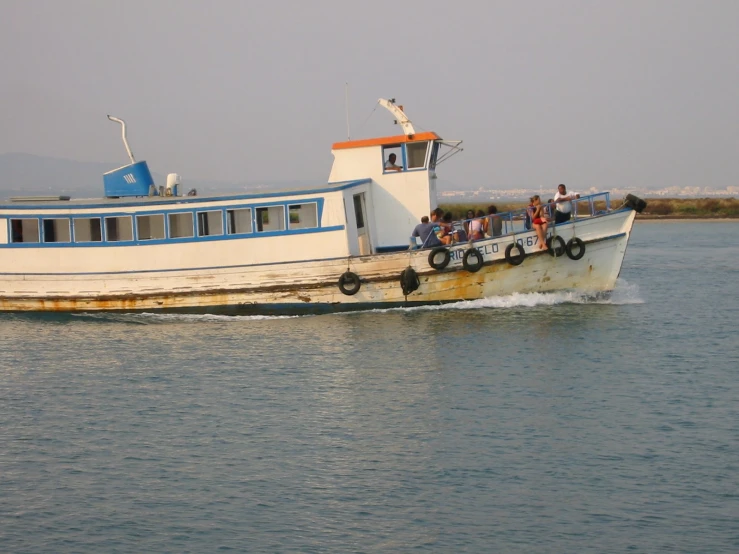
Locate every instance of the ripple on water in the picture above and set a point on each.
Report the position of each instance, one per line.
(534, 423)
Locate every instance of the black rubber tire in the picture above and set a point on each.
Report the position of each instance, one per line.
(510, 258)
(349, 283)
(435, 252)
(409, 280)
(470, 266)
(559, 249)
(575, 242)
(635, 203)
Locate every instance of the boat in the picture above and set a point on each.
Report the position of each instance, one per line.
(342, 246)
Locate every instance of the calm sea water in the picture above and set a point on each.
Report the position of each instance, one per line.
(534, 423)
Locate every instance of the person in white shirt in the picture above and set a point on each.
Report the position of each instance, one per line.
(390, 163)
(563, 201)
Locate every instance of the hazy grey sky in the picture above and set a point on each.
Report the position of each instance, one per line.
(590, 93)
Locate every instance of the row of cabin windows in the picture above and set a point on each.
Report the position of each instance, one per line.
(151, 227)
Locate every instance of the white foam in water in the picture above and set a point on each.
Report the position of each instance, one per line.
(624, 293)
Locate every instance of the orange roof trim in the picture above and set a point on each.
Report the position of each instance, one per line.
(382, 141)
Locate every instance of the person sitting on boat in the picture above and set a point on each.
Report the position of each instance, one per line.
(475, 226)
(539, 221)
(442, 233)
(426, 231)
(447, 228)
(469, 216)
(564, 204)
(528, 215)
(493, 222)
(390, 164)
(549, 207)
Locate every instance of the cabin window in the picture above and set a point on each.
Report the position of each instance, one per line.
(417, 154)
(303, 216)
(56, 230)
(434, 155)
(392, 157)
(210, 223)
(180, 225)
(239, 221)
(87, 229)
(118, 228)
(271, 218)
(24, 230)
(150, 227)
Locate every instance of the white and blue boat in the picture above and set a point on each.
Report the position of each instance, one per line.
(339, 247)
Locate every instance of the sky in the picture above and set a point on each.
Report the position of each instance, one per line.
(589, 93)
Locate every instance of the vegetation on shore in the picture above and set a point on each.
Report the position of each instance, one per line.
(657, 208)
(691, 208)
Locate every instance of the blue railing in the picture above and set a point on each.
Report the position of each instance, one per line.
(515, 221)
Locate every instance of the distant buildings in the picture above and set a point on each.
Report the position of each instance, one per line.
(484, 195)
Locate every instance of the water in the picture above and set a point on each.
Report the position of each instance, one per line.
(532, 423)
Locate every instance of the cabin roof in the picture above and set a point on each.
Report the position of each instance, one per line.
(384, 141)
(41, 203)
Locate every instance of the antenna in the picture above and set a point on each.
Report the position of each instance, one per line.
(346, 104)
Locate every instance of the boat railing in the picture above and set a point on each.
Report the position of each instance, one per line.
(516, 221)
(591, 205)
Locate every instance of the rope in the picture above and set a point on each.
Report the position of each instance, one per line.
(368, 117)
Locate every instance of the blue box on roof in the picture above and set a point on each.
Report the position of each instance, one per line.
(129, 180)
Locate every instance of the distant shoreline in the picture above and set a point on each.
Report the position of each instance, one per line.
(657, 209)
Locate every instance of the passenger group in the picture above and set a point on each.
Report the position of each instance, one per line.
(441, 229)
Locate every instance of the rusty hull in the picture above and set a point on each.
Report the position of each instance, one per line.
(305, 287)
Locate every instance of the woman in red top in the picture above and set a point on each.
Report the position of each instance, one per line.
(539, 221)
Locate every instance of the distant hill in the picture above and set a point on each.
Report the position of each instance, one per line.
(27, 174)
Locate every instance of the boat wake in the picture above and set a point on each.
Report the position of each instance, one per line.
(624, 294)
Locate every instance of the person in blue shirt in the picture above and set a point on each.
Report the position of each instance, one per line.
(426, 231)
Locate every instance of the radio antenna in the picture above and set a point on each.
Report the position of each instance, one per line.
(346, 103)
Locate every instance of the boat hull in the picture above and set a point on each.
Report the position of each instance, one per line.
(312, 286)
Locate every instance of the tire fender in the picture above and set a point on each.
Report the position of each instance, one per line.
(468, 263)
(575, 244)
(349, 283)
(558, 249)
(409, 280)
(514, 259)
(435, 253)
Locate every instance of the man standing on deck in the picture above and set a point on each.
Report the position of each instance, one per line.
(564, 204)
